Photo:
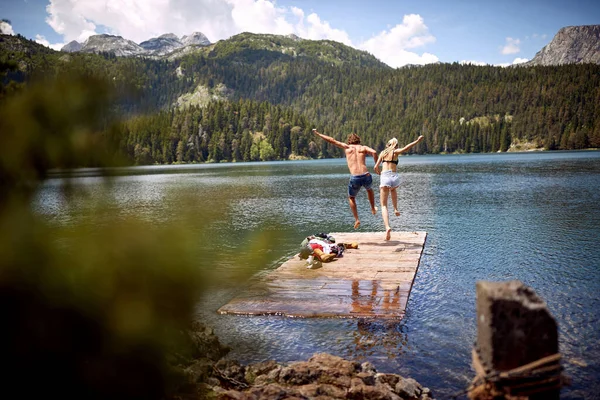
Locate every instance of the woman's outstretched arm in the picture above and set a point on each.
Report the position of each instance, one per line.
(408, 146)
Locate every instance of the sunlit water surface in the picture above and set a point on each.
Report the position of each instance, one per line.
(534, 217)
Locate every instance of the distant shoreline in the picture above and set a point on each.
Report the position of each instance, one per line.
(61, 170)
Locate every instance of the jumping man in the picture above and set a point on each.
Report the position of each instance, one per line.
(355, 156)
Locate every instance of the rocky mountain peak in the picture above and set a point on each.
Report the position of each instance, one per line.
(196, 38)
(294, 37)
(72, 46)
(111, 44)
(155, 47)
(169, 36)
(164, 44)
(571, 45)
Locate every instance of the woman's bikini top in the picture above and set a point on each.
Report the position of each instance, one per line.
(392, 161)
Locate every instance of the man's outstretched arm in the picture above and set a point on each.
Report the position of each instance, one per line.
(331, 140)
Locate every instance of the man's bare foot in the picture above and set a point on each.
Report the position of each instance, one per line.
(374, 210)
(388, 233)
(356, 224)
(397, 213)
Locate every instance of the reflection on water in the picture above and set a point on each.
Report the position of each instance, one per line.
(378, 338)
(375, 337)
(532, 217)
(373, 302)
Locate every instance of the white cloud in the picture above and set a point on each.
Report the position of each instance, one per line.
(256, 16)
(297, 12)
(43, 41)
(67, 20)
(511, 46)
(139, 20)
(391, 46)
(6, 28)
(519, 60)
(318, 30)
(516, 61)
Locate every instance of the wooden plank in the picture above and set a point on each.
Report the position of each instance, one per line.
(373, 281)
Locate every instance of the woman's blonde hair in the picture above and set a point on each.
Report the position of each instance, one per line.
(391, 145)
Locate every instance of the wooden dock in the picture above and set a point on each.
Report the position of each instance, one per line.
(373, 281)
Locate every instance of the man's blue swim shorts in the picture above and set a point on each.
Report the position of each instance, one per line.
(358, 181)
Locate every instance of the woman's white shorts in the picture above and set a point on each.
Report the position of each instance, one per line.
(390, 179)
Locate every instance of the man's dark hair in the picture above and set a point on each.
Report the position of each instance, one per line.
(353, 138)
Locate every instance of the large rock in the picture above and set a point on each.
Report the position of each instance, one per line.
(263, 368)
(514, 326)
(334, 363)
(300, 373)
(571, 45)
(408, 388)
(192, 359)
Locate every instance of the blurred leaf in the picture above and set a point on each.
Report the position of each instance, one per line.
(96, 307)
(53, 124)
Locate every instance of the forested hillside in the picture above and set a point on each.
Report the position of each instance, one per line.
(222, 131)
(266, 92)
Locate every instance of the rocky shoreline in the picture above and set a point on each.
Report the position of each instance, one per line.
(208, 375)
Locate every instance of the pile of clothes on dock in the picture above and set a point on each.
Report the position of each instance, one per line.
(322, 247)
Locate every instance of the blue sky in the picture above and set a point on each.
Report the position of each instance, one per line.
(397, 32)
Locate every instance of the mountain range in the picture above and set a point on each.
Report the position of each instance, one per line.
(154, 47)
(571, 45)
(218, 101)
(242, 46)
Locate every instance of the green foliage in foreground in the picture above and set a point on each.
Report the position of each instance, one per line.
(95, 309)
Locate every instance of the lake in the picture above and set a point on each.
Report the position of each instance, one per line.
(534, 217)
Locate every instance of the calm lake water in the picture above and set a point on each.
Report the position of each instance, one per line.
(534, 217)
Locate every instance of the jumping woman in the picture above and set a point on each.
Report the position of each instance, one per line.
(390, 180)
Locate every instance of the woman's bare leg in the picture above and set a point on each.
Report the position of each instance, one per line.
(395, 201)
(383, 197)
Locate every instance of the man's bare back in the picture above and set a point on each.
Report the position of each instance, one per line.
(356, 158)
